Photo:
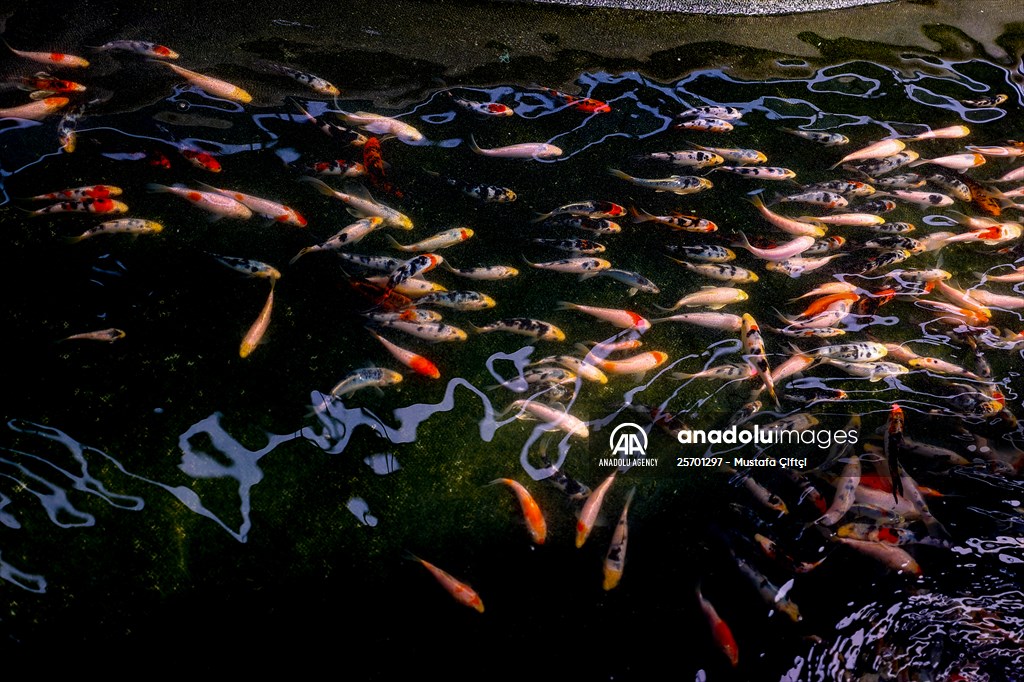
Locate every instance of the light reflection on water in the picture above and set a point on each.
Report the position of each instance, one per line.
(897, 638)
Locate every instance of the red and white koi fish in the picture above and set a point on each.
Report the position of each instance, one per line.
(626, 319)
(585, 104)
(413, 361)
(720, 631)
(35, 111)
(218, 205)
(462, 593)
(531, 510)
(485, 108)
(51, 58)
(45, 85)
(102, 205)
(272, 210)
(141, 47)
(212, 86)
(201, 159)
(615, 559)
(526, 150)
(259, 328)
(591, 209)
(591, 508)
(79, 193)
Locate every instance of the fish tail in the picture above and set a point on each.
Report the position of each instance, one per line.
(540, 217)
(682, 376)
(918, 162)
(319, 184)
(398, 246)
(473, 145)
(155, 187)
(300, 254)
(619, 174)
(565, 305)
(743, 243)
(476, 329)
(640, 215)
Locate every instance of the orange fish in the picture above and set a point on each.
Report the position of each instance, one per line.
(463, 593)
(373, 163)
(720, 630)
(532, 513)
(35, 111)
(585, 104)
(982, 197)
(201, 160)
(101, 205)
(47, 83)
(416, 363)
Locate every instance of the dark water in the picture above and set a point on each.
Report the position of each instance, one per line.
(162, 493)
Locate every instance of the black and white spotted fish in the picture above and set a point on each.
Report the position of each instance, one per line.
(676, 220)
(590, 209)
(886, 164)
(827, 139)
(524, 326)
(141, 47)
(706, 124)
(486, 193)
(249, 267)
(719, 112)
(634, 280)
(691, 158)
(676, 184)
(584, 267)
(754, 353)
(816, 198)
(708, 253)
(758, 172)
(583, 247)
(458, 300)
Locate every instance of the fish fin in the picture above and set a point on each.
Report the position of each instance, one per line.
(565, 305)
(588, 275)
(212, 218)
(473, 145)
(619, 174)
(632, 292)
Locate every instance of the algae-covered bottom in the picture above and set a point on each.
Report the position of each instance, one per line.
(162, 493)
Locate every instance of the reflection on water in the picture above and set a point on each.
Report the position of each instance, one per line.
(184, 316)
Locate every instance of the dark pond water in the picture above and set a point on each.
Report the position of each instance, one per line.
(164, 493)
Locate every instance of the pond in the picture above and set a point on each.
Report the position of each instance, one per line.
(222, 438)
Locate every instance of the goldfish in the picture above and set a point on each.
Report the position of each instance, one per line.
(35, 111)
(526, 150)
(211, 86)
(463, 593)
(279, 213)
(413, 361)
(346, 169)
(219, 205)
(52, 58)
(531, 511)
(139, 47)
(615, 559)
(44, 85)
(591, 508)
(258, 329)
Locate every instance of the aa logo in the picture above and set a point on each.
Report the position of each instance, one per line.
(628, 440)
